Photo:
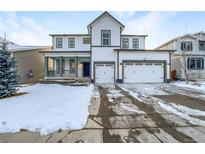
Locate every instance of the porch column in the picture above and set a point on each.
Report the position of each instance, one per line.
(61, 66)
(45, 66)
(76, 66)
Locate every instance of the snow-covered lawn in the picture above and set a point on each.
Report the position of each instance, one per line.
(194, 85)
(46, 108)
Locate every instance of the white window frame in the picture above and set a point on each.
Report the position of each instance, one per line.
(185, 46)
(195, 60)
(203, 45)
(71, 42)
(105, 38)
(135, 43)
(86, 40)
(125, 43)
(59, 42)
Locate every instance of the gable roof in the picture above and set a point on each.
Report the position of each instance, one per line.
(103, 14)
(68, 34)
(177, 38)
(13, 47)
(200, 35)
(201, 32)
(29, 48)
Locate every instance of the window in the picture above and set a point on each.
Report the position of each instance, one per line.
(201, 45)
(186, 46)
(59, 42)
(105, 37)
(195, 63)
(135, 43)
(71, 42)
(86, 40)
(125, 43)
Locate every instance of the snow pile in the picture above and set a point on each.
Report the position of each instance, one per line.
(46, 108)
(184, 112)
(192, 85)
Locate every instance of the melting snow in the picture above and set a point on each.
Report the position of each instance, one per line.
(146, 89)
(113, 94)
(46, 108)
(131, 108)
(184, 112)
(192, 85)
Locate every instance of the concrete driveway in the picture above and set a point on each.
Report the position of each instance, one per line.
(136, 113)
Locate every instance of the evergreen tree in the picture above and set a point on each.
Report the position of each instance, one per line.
(8, 72)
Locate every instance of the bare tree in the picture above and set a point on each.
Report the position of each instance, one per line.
(180, 64)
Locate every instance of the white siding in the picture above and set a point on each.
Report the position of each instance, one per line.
(106, 23)
(169, 46)
(103, 54)
(189, 39)
(141, 41)
(201, 36)
(79, 46)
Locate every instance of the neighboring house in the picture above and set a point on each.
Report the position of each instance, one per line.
(105, 55)
(30, 63)
(189, 55)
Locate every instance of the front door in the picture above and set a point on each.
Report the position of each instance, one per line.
(86, 69)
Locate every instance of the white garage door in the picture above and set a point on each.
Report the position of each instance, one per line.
(104, 73)
(143, 72)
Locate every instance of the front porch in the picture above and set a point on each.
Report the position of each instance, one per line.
(64, 68)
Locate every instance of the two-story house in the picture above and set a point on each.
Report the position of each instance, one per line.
(189, 55)
(106, 55)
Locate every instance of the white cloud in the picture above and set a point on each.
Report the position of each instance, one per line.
(124, 14)
(24, 30)
(150, 23)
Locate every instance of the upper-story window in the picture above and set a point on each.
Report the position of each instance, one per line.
(86, 40)
(71, 42)
(186, 46)
(135, 43)
(195, 63)
(125, 43)
(105, 37)
(59, 42)
(201, 45)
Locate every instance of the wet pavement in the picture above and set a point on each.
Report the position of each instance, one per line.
(131, 114)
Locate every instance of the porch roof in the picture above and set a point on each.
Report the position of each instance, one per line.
(66, 53)
(87, 51)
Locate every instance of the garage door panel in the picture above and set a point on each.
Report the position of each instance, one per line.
(143, 72)
(104, 73)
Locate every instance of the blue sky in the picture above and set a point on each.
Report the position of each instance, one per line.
(33, 28)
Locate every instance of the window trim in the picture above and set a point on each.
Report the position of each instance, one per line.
(137, 43)
(123, 43)
(187, 42)
(108, 38)
(69, 42)
(199, 46)
(57, 42)
(84, 40)
(195, 63)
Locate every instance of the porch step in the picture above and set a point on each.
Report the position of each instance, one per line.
(68, 81)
